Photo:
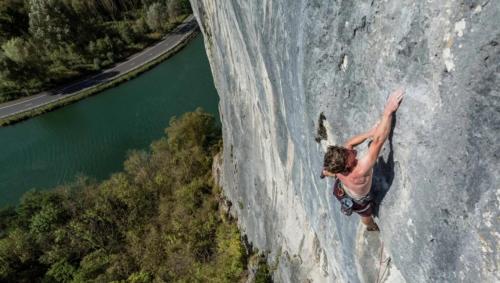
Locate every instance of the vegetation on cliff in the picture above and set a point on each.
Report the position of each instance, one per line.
(44, 43)
(156, 221)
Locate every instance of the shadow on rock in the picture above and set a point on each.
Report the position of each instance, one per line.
(383, 174)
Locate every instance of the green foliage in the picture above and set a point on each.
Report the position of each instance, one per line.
(20, 63)
(140, 277)
(18, 50)
(263, 274)
(194, 130)
(46, 43)
(126, 32)
(49, 21)
(156, 16)
(92, 265)
(61, 271)
(16, 254)
(176, 8)
(7, 219)
(87, 92)
(13, 19)
(231, 251)
(156, 221)
(140, 26)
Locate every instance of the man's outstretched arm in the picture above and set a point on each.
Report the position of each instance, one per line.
(382, 131)
(356, 140)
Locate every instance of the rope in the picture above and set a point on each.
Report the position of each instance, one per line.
(388, 260)
(380, 262)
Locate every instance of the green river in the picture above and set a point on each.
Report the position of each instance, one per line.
(92, 137)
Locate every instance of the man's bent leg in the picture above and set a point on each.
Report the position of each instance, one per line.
(369, 223)
(365, 211)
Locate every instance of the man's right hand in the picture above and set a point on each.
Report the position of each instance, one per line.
(393, 101)
(327, 173)
(380, 135)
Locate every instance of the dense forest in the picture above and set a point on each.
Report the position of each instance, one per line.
(158, 221)
(45, 43)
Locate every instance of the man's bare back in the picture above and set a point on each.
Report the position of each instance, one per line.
(357, 185)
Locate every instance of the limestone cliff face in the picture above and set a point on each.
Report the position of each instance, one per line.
(278, 64)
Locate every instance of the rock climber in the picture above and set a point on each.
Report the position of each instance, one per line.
(353, 177)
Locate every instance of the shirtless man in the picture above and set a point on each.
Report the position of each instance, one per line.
(354, 177)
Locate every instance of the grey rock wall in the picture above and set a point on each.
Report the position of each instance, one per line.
(278, 64)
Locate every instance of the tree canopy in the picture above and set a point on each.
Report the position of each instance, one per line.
(156, 221)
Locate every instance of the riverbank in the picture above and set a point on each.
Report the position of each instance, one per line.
(92, 137)
(55, 99)
(61, 240)
(152, 196)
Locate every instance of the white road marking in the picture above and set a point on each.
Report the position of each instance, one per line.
(43, 95)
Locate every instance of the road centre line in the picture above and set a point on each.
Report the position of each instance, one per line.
(24, 101)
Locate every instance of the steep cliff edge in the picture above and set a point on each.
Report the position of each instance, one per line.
(278, 65)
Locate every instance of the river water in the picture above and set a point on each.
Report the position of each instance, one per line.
(92, 137)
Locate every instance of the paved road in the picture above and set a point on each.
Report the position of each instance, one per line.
(137, 60)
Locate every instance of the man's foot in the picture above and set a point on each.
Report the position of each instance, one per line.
(369, 223)
(373, 227)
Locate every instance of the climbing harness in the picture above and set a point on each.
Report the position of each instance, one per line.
(349, 204)
(346, 205)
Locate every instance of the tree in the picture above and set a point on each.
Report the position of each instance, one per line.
(185, 6)
(48, 21)
(61, 271)
(20, 62)
(19, 50)
(13, 19)
(177, 7)
(156, 17)
(126, 32)
(140, 26)
(174, 9)
(7, 218)
(193, 129)
(16, 254)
